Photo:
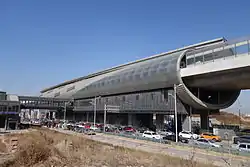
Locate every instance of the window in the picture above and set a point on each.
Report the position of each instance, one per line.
(123, 98)
(145, 74)
(248, 146)
(57, 94)
(71, 88)
(137, 76)
(153, 72)
(137, 97)
(242, 146)
(152, 96)
(199, 59)
(49, 91)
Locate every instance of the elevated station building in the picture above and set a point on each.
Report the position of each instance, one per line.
(206, 76)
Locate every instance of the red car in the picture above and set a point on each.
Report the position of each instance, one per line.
(87, 126)
(129, 129)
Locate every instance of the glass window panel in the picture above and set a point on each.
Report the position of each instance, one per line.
(241, 49)
(145, 74)
(208, 57)
(153, 72)
(198, 59)
(190, 61)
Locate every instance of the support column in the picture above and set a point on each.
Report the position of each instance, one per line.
(87, 117)
(204, 117)
(130, 120)
(159, 121)
(6, 122)
(187, 120)
(74, 116)
(186, 124)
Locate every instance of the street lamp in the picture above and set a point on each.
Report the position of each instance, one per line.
(175, 112)
(95, 108)
(111, 109)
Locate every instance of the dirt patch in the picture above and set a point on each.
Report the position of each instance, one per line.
(49, 148)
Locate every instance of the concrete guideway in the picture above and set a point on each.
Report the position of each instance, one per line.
(177, 151)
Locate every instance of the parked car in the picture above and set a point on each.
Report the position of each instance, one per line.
(142, 129)
(210, 136)
(206, 142)
(172, 138)
(165, 132)
(243, 147)
(242, 139)
(89, 132)
(129, 129)
(151, 135)
(94, 128)
(188, 135)
(129, 133)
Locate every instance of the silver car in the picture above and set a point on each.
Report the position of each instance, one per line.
(207, 143)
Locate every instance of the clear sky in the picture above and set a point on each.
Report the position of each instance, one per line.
(43, 43)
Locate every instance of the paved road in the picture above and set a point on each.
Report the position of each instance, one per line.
(177, 151)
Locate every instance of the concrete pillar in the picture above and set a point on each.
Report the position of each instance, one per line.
(204, 117)
(6, 122)
(87, 117)
(53, 115)
(186, 124)
(100, 118)
(74, 116)
(159, 121)
(130, 120)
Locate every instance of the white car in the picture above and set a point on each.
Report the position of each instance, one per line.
(165, 132)
(151, 135)
(94, 128)
(243, 147)
(188, 135)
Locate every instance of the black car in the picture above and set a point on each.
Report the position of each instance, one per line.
(172, 138)
(242, 139)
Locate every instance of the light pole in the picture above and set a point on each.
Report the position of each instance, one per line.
(105, 117)
(175, 112)
(64, 114)
(111, 109)
(95, 108)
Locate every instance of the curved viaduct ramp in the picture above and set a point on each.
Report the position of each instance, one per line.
(215, 80)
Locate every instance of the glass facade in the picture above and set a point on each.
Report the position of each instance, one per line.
(144, 102)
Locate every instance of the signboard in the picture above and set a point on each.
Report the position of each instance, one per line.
(8, 113)
(113, 109)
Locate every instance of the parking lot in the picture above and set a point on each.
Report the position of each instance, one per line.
(164, 136)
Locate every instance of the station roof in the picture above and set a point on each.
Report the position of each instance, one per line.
(195, 46)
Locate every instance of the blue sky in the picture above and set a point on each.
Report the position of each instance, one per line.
(46, 42)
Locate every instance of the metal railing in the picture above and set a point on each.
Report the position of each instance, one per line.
(220, 51)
